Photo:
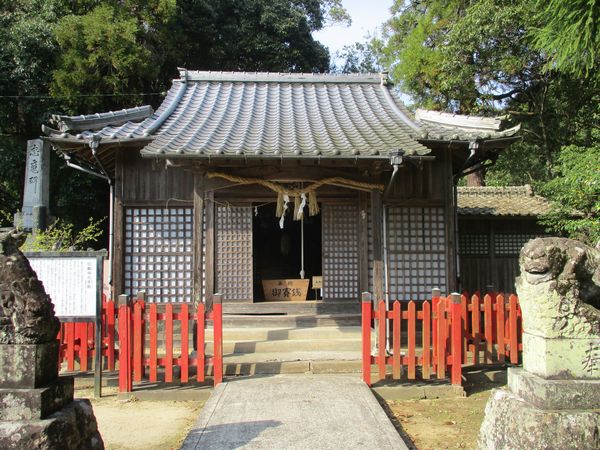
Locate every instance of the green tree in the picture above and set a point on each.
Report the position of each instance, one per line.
(576, 194)
(27, 57)
(569, 34)
(84, 56)
(479, 57)
(360, 57)
(101, 52)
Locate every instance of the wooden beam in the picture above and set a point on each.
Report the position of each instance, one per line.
(198, 236)
(377, 215)
(210, 248)
(363, 242)
(118, 260)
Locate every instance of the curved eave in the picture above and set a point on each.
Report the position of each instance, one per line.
(71, 142)
(493, 143)
(227, 159)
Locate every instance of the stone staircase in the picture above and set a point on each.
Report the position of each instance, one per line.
(277, 349)
(283, 337)
(290, 337)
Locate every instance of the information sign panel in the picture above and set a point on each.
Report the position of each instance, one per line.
(71, 280)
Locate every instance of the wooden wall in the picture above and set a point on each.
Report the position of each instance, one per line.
(489, 251)
(147, 182)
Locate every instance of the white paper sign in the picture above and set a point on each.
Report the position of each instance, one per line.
(71, 283)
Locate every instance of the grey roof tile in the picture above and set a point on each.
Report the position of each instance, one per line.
(501, 201)
(270, 114)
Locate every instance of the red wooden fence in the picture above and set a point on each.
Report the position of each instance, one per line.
(143, 322)
(125, 341)
(443, 334)
(77, 341)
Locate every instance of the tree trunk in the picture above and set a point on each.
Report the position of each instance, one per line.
(476, 179)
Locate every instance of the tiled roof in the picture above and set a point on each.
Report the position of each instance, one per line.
(444, 126)
(268, 114)
(501, 201)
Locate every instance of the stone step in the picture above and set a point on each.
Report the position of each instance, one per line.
(294, 308)
(285, 333)
(294, 320)
(292, 362)
(297, 345)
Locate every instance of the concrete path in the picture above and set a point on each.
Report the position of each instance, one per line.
(293, 412)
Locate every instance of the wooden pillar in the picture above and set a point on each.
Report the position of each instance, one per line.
(198, 236)
(450, 221)
(210, 249)
(363, 242)
(118, 257)
(377, 216)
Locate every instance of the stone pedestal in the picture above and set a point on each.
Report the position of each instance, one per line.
(535, 413)
(28, 365)
(554, 401)
(37, 409)
(72, 427)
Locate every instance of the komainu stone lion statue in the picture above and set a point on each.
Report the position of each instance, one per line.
(559, 292)
(553, 402)
(26, 313)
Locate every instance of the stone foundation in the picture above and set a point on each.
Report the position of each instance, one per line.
(28, 365)
(513, 424)
(561, 358)
(35, 404)
(72, 427)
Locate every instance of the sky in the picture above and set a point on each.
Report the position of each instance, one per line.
(367, 16)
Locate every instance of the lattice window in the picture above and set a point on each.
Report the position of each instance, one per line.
(474, 244)
(234, 252)
(416, 242)
(511, 244)
(340, 251)
(159, 253)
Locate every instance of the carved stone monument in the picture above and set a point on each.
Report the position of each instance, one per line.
(37, 409)
(553, 402)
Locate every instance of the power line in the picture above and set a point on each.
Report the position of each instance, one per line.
(142, 94)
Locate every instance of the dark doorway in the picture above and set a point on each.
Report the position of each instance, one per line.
(277, 252)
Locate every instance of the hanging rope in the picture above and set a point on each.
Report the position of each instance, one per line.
(338, 181)
(299, 194)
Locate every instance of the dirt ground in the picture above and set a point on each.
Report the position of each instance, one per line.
(141, 425)
(443, 423)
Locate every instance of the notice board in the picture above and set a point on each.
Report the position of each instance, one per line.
(73, 280)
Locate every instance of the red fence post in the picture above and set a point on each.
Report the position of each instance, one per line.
(396, 332)
(412, 322)
(457, 344)
(476, 326)
(366, 337)
(381, 338)
(200, 329)
(426, 340)
(109, 329)
(70, 337)
(500, 327)
(513, 342)
(488, 321)
(185, 340)
(138, 339)
(435, 299)
(441, 338)
(125, 378)
(153, 328)
(218, 338)
(168, 342)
